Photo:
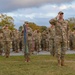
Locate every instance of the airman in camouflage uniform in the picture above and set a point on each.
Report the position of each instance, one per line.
(17, 35)
(51, 31)
(13, 40)
(29, 42)
(20, 41)
(38, 41)
(22, 37)
(61, 28)
(1, 41)
(47, 40)
(43, 40)
(72, 39)
(7, 40)
(34, 35)
(29, 32)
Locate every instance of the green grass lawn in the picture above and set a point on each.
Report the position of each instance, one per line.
(39, 65)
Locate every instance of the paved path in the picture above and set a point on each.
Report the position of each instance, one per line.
(40, 53)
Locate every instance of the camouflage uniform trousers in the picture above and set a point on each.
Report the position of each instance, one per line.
(30, 46)
(52, 47)
(43, 43)
(22, 42)
(27, 50)
(20, 45)
(1, 47)
(16, 42)
(47, 45)
(37, 45)
(7, 45)
(33, 46)
(13, 45)
(70, 42)
(73, 42)
(61, 47)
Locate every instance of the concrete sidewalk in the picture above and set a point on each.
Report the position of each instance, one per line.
(36, 53)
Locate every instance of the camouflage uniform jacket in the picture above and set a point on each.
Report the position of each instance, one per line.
(61, 28)
(29, 33)
(7, 35)
(51, 32)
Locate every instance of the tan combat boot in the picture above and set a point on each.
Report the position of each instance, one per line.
(59, 61)
(62, 62)
(7, 55)
(27, 59)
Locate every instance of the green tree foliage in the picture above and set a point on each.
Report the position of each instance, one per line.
(37, 27)
(7, 20)
(43, 28)
(34, 27)
(20, 28)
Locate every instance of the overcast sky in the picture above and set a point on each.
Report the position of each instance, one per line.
(37, 11)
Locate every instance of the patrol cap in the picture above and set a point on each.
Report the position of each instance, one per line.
(26, 22)
(60, 12)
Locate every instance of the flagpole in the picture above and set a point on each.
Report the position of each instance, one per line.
(26, 49)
